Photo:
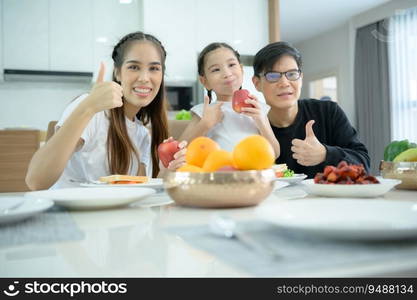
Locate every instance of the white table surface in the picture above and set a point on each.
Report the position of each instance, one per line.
(133, 242)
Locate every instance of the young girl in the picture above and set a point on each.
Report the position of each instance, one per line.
(221, 71)
(103, 132)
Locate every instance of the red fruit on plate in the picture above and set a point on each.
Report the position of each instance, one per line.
(333, 177)
(166, 151)
(238, 100)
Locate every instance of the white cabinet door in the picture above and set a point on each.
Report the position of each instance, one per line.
(185, 27)
(25, 29)
(173, 23)
(215, 22)
(111, 21)
(71, 35)
(250, 29)
(243, 24)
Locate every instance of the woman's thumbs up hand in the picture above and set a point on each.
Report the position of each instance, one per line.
(105, 94)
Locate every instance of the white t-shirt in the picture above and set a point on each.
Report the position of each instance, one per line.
(233, 128)
(90, 161)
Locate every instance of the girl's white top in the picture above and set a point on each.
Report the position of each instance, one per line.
(233, 128)
(90, 161)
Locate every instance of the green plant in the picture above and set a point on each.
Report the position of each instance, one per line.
(183, 115)
(396, 147)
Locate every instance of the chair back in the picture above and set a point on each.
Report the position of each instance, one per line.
(177, 127)
(51, 130)
(16, 150)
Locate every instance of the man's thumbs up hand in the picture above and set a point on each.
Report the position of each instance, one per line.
(309, 129)
(308, 152)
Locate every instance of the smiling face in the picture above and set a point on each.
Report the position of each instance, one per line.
(222, 73)
(140, 75)
(282, 94)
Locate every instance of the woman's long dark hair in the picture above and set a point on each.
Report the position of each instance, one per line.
(201, 62)
(120, 148)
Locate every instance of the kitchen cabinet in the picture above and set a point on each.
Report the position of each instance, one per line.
(173, 23)
(70, 35)
(65, 35)
(185, 27)
(111, 21)
(25, 34)
(243, 24)
(250, 30)
(75, 35)
(215, 22)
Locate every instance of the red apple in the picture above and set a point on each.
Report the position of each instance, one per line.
(238, 100)
(166, 151)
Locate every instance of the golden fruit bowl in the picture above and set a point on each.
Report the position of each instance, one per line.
(404, 171)
(219, 189)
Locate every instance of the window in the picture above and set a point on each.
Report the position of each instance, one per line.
(402, 46)
(324, 88)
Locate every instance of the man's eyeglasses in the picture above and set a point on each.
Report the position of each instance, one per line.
(291, 75)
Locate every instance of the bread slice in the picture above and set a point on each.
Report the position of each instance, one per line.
(123, 179)
(280, 167)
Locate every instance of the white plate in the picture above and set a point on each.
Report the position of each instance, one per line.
(152, 183)
(279, 185)
(296, 178)
(351, 219)
(291, 192)
(82, 198)
(27, 208)
(352, 190)
(7, 203)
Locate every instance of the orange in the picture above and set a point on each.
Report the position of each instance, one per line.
(253, 153)
(189, 168)
(217, 159)
(199, 149)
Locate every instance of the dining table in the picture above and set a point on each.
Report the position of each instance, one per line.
(157, 238)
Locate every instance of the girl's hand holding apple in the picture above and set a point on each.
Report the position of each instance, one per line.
(239, 100)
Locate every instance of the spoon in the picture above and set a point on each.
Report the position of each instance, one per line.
(226, 227)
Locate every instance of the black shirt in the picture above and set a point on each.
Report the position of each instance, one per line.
(332, 128)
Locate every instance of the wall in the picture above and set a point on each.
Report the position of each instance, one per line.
(381, 12)
(35, 104)
(333, 51)
(329, 54)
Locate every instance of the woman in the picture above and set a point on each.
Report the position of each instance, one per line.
(103, 132)
(304, 148)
